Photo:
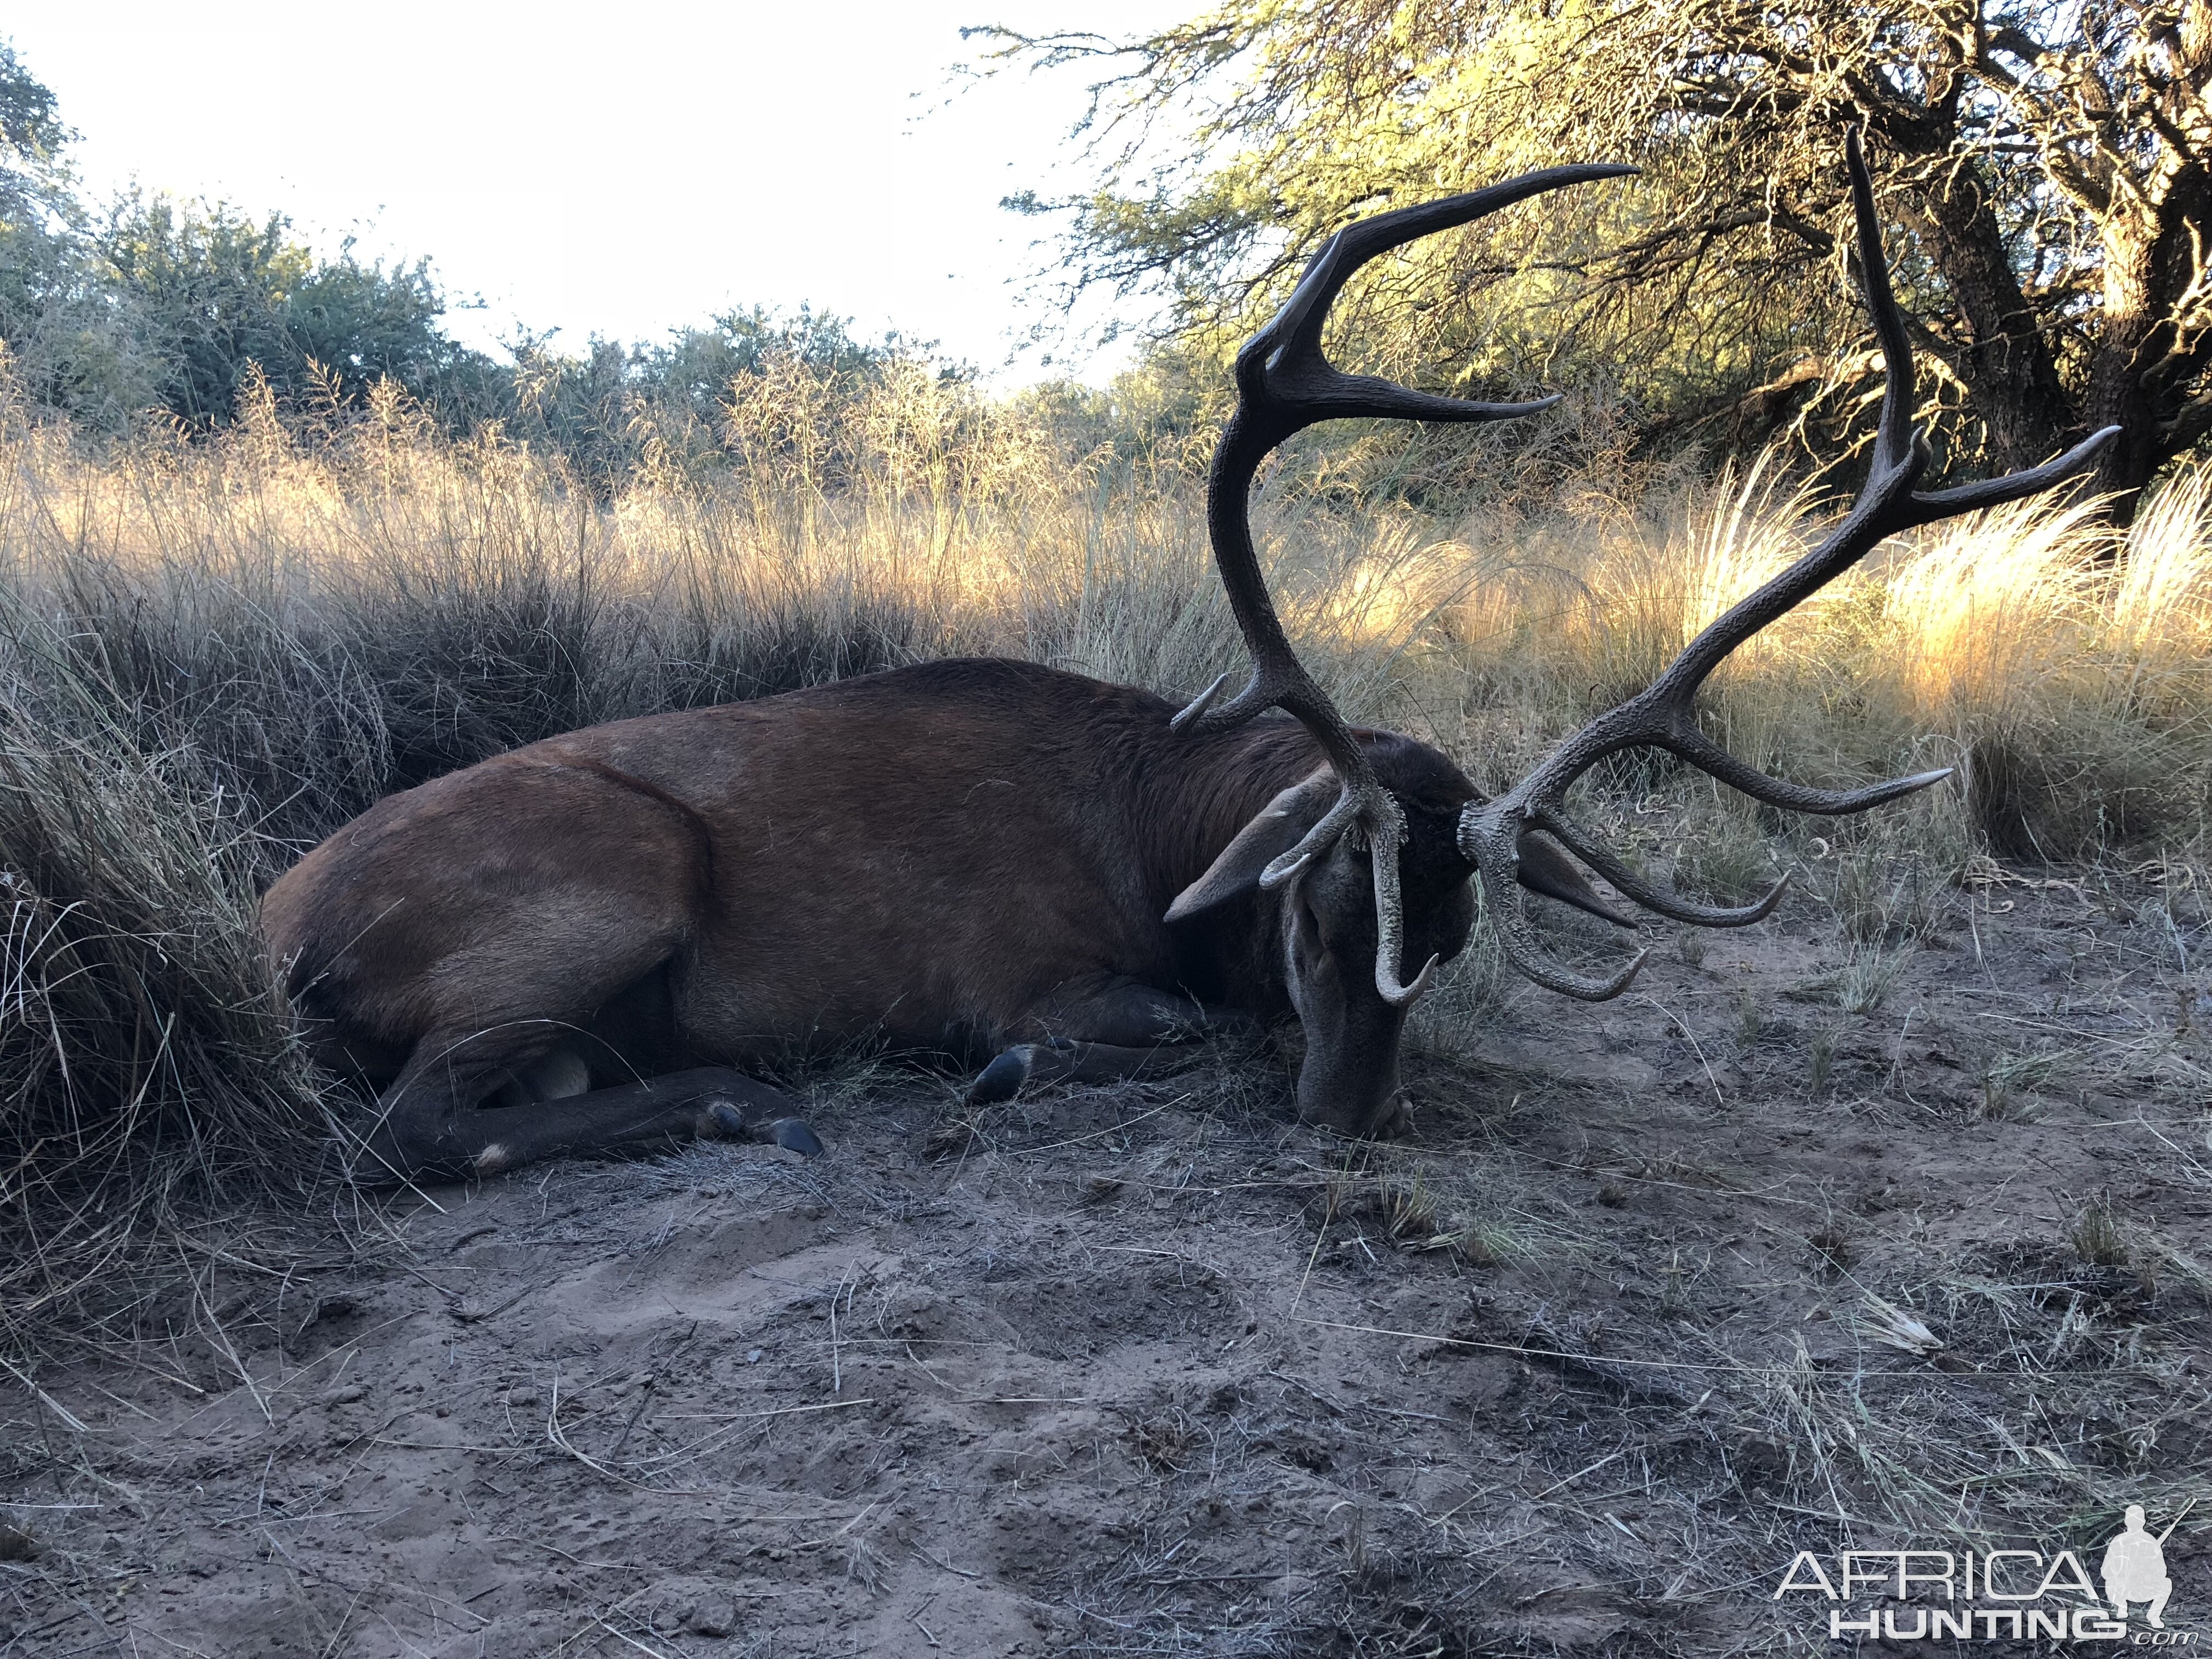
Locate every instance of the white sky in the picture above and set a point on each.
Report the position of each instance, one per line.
(621, 169)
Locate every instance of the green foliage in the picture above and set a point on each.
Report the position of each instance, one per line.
(618, 408)
(202, 315)
(2050, 164)
(1155, 414)
(155, 304)
(695, 369)
(31, 136)
(214, 294)
(68, 347)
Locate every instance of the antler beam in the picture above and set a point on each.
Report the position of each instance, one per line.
(1284, 384)
(1663, 716)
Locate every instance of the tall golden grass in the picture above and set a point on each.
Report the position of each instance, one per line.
(212, 654)
(2060, 665)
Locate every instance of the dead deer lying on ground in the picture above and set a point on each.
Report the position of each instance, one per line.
(985, 856)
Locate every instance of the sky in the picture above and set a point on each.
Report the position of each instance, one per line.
(619, 170)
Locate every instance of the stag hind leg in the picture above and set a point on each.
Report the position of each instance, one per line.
(1121, 1032)
(430, 1123)
(478, 1101)
(525, 948)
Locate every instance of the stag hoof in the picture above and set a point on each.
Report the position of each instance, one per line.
(793, 1136)
(1395, 1122)
(1003, 1078)
(723, 1121)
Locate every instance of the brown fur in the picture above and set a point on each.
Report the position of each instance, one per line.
(955, 857)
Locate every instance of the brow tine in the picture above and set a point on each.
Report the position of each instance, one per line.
(1601, 859)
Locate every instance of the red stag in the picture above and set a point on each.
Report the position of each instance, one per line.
(579, 945)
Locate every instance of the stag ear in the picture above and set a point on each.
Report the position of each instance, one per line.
(1282, 824)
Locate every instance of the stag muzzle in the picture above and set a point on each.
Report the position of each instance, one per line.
(1348, 1081)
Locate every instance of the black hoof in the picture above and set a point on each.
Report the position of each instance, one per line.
(1002, 1079)
(793, 1136)
(724, 1121)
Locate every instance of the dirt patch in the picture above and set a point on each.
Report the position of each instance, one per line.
(1802, 1245)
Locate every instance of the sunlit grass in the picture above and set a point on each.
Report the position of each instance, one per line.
(2061, 666)
(460, 598)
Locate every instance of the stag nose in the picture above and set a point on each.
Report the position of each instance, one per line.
(1352, 1090)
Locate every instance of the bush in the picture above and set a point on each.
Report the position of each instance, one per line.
(217, 298)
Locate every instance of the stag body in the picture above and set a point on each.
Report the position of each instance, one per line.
(964, 857)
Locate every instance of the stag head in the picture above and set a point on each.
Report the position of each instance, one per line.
(1362, 867)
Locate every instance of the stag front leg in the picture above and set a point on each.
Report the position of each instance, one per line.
(1061, 1061)
(433, 1125)
(1121, 1032)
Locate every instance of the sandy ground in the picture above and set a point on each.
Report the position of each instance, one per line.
(1800, 1245)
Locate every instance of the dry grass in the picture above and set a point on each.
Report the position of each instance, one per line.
(2069, 686)
(212, 655)
(144, 1047)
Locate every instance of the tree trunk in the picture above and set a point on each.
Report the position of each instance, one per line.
(2143, 366)
(2008, 367)
(2150, 358)
(2118, 397)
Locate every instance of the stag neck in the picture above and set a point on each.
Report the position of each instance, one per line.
(1202, 789)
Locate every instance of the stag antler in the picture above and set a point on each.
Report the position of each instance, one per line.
(1661, 717)
(1284, 384)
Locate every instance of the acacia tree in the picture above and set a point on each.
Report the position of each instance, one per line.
(2047, 158)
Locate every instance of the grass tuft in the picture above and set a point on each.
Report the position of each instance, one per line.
(2098, 1236)
(146, 1057)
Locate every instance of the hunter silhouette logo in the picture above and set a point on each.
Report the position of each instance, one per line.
(2010, 1594)
(2135, 1567)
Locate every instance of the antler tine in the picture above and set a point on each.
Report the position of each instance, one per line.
(1662, 715)
(1895, 440)
(1286, 383)
(1601, 859)
(1282, 369)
